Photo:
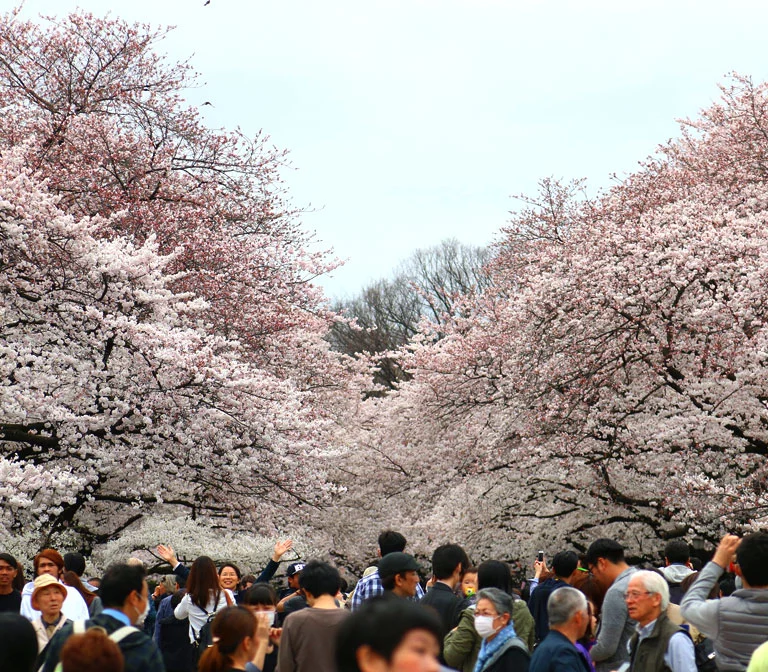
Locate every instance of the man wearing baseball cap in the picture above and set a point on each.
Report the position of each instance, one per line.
(293, 572)
(399, 574)
(369, 586)
(292, 598)
(48, 596)
(49, 561)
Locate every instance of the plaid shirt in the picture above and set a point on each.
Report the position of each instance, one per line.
(370, 586)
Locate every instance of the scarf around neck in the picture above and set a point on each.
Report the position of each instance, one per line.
(489, 648)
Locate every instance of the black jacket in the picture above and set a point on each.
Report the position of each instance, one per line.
(514, 659)
(447, 605)
(538, 605)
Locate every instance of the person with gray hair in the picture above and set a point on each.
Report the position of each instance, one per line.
(502, 650)
(568, 621)
(659, 644)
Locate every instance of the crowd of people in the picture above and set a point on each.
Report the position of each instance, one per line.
(592, 612)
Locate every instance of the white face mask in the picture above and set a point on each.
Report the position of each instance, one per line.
(140, 620)
(484, 626)
(271, 617)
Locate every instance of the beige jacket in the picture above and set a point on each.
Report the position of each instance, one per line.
(42, 635)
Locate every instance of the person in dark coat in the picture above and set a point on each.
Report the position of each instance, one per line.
(568, 621)
(172, 635)
(502, 650)
(18, 643)
(126, 603)
(564, 564)
(449, 562)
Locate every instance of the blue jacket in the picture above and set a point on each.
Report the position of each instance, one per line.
(556, 653)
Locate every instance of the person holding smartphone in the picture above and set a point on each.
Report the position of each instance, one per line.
(564, 567)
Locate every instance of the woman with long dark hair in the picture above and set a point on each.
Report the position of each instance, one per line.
(72, 580)
(204, 597)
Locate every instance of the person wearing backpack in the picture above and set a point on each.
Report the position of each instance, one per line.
(203, 599)
(125, 597)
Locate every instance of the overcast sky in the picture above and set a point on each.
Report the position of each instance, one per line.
(411, 121)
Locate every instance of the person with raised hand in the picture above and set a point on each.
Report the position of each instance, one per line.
(736, 624)
(229, 573)
(204, 597)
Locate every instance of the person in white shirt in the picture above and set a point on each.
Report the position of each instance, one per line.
(49, 561)
(204, 596)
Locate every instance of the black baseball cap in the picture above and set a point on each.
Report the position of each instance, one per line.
(394, 563)
(294, 568)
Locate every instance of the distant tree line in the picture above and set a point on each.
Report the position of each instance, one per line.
(433, 284)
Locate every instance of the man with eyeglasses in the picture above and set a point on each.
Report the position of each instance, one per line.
(605, 560)
(659, 644)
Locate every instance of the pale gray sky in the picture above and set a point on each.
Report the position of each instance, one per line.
(410, 121)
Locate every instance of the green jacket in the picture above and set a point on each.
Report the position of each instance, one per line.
(462, 644)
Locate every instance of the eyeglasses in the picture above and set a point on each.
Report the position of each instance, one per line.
(635, 594)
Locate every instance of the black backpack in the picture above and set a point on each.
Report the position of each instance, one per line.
(705, 655)
(204, 636)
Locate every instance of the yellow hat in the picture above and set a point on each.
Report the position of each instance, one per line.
(43, 581)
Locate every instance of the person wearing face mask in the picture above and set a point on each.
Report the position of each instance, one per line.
(235, 641)
(261, 600)
(462, 644)
(502, 650)
(126, 598)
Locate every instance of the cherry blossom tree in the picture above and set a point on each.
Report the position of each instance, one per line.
(613, 379)
(162, 345)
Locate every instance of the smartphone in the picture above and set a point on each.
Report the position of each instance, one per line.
(541, 556)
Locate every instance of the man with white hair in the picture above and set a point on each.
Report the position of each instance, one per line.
(659, 644)
(568, 621)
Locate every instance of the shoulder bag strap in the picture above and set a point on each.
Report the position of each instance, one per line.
(121, 633)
